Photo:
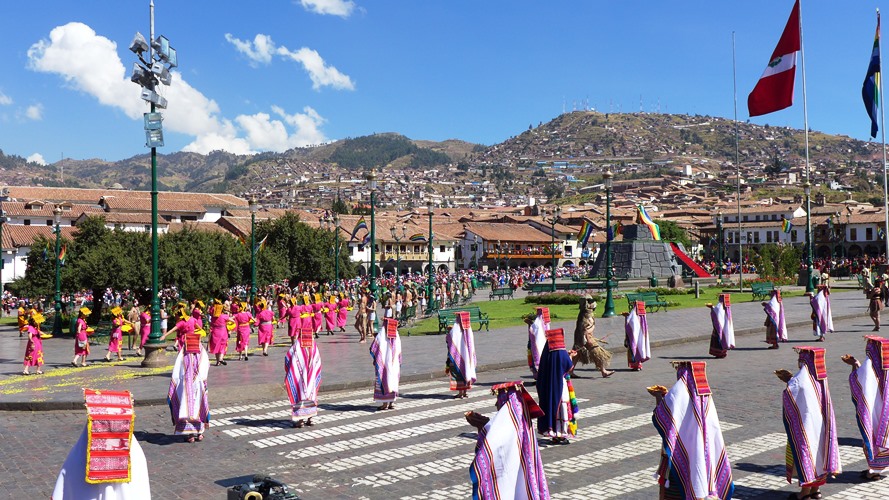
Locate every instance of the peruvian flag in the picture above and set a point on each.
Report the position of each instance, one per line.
(774, 90)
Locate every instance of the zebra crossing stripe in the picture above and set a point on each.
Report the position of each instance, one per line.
(773, 478)
(442, 444)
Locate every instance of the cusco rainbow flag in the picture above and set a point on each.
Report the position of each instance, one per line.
(586, 230)
(644, 218)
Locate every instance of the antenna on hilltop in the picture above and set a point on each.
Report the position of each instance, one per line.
(641, 109)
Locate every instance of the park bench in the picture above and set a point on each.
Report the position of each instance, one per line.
(862, 282)
(408, 315)
(500, 293)
(446, 318)
(538, 287)
(762, 291)
(652, 300)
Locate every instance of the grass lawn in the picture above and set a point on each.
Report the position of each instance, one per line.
(506, 313)
(9, 320)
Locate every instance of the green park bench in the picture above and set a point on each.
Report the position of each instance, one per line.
(446, 318)
(762, 291)
(862, 281)
(652, 300)
(500, 293)
(408, 315)
(538, 287)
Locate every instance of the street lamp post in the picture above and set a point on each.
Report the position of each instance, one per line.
(552, 248)
(845, 232)
(719, 246)
(253, 207)
(149, 74)
(336, 251)
(430, 282)
(609, 274)
(398, 238)
(57, 322)
(372, 183)
(810, 285)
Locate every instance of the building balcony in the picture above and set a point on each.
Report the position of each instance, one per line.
(522, 255)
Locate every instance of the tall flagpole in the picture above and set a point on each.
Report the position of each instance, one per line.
(809, 269)
(883, 133)
(738, 166)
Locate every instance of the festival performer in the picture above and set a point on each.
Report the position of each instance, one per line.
(218, 332)
(875, 305)
(537, 337)
(507, 461)
(370, 316)
(187, 397)
(694, 463)
(342, 312)
(266, 329)
(34, 349)
(360, 317)
(461, 361)
(776, 327)
(81, 339)
(302, 378)
(329, 309)
(107, 462)
(822, 320)
(587, 346)
(555, 390)
(282, 309)
(870, 394)
(291, 314)
(813, 451)
(144, 327)
(723, 337)
(317, 315)
(22, 318)
(243, 320)
(385, 350)
(637, 340)
(197, 312)
(116, 337)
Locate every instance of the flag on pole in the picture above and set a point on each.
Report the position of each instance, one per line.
(774, 90)
(418, 237)
(364, 242)
(243, 240)
(870, 90)
(643, 217)
(361, 224)
(62, 254)
(586, 230)
(880, 233)
(261, 244)
(786, 225)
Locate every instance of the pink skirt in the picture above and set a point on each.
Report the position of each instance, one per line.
(265, 334)
(218, 342)
(114, 342)
(243, 340)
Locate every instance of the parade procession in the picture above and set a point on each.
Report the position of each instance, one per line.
(247, 307)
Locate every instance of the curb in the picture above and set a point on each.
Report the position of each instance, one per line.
(276, 391)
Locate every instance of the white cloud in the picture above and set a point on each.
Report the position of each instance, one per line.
(260, 50)
(342, 8)
(36, 158)
(271, 134)
(34, 112)
(89, 63)
(321, 73)
(5, 100)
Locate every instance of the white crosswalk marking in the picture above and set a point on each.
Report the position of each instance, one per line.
(441, 444)
(774, 478)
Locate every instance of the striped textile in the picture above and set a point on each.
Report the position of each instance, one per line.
(302, 378)
(187, 397)
(386, 355)
(870, 394)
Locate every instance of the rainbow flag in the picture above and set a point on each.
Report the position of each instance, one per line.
(361, 224)
(644, 218)
(586, 230)
(62, 254)
(418, 237)
(261, 244)
(786, 225)
(364, 242)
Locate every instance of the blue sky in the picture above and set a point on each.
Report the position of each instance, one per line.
(480, 71)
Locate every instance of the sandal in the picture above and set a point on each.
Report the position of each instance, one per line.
(25, 373)
(607, 374)
(384, 407)
(41, 373)
(309, 422)
(200, 437)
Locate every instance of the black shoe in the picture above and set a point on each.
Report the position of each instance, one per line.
(265, 354)
(246, 358)
(223, 362)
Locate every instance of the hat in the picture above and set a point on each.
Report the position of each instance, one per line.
(116, 311)
(555, 339)
(813, 358)
(85, 311)
(37, 318)
(503, 390)
(698, 375)
(200, 304)
(878, 351)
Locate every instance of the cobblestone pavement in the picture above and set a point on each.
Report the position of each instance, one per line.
(423, 448)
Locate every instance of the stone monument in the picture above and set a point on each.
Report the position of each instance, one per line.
(639, 255)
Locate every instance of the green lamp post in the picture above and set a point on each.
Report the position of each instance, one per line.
(609, 272)
(57, 322)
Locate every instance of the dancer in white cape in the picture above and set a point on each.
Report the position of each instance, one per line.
(822, 319)
(776, 326)
(537, 337)
(189, 405)
(385, 350)
(102, 465)
(869, 382)
(723, 337)
(461, 361)
(694, 463)
(637, 343)
(302, 377)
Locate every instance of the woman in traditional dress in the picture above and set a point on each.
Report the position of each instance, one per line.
(144, 327)
(555, 391)
(302, 378)
(243, 320)
(385, 350)
(538, 324)
(870, 394)
(587, 346)
(187, 397)
(283, 307)
(876, 303)
(461, 361)
(116, 336)
(822, 319)
(218, 332)
(294, 320)
(266, 329)
(776, 327)
(342, 312)
(317, 315)
(81, 338)
(723, 336)
(637, 340)
(34, 349)
(329, 310)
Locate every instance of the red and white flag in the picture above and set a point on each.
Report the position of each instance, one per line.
(774, 90)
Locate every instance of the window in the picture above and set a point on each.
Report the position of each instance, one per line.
(757, 217)
(774, 216)
(755, 237)
(730, 237)
(853, 234)
(416, 248)
(868, 234)
(775, 236)
(49, 223)
(441, 248)
(745, 218)
(388, 248)
(793, 235)
(27, 222)
(768, 236)
(147, 228)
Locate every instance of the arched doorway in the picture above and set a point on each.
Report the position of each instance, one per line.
(823, 251)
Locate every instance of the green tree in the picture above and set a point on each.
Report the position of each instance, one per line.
(201, 263)
(339, 206)
(307, 251)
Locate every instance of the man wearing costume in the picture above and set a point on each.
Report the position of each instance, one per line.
(588, 347)
(723, 336)
(776, 326)
(302, 378)
(637, 342)
(869, 382)
(385, 350)
(461, 362)
(555, 391)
